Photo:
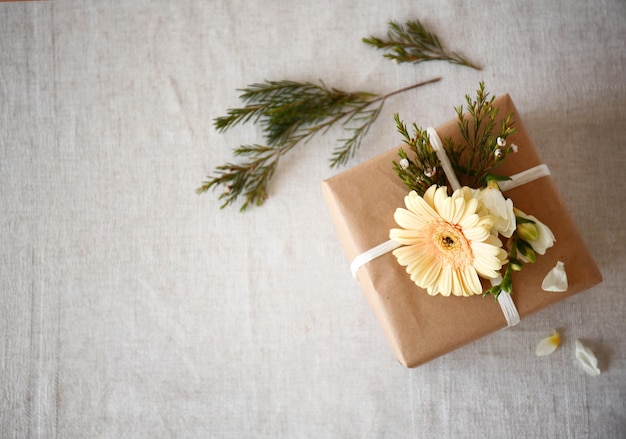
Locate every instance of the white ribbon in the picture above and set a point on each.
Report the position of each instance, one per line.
(506, 303)
(372, 253)
(524, 177)
(435, 142)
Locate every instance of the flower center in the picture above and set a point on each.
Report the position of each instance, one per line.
(449, 245)
(447, 241)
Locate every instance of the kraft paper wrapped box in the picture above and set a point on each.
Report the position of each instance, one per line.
(420, 327)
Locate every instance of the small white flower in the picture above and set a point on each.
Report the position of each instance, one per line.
(404, 163)
(548, 344)
(587, 359)
(430, 172)
(501, 142)
(498, 153)
(514, 147)
(545, 238)
(556, 279)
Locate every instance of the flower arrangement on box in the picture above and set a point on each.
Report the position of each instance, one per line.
(456, 228)
(451, 240)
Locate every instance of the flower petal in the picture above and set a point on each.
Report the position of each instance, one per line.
(405, 236)
(439, 199)
(486, 259)
(548, 344)
(476, 233)
(420, 207)
(430, 270)
(556, 279)
(500, 208)
(409, 220)
(470, 209)
(587, 359)
(457, 287)
(409, 254)
(471, 282)
(429, 195)
(460, 208)
(445, 280)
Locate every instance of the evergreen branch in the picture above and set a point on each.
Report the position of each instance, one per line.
(483, 148)
(248, 179)
(348, 148)
(479, 154)
(283, 107)
(290, 113)
(414, 43)
(424, 169)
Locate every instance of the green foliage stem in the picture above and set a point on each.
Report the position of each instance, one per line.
(479, 154)
(290, 113)
(473, 160)
(413, 43)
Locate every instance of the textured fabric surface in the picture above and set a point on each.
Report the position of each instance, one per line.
(132, 307)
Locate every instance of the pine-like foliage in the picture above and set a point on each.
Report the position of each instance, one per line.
(290, 113)
(413, 43)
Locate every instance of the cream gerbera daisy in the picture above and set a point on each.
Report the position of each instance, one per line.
(446, 243)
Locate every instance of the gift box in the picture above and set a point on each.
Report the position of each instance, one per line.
(420, 327)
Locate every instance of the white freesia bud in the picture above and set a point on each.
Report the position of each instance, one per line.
(556, 279)
(545, 240)
(500, 208)
(587, 359)
(528, 232)
(404, 163)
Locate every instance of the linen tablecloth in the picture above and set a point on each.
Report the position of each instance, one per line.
(130, 306)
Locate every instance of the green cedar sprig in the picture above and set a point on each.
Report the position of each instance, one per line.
(473, 160)
(423, 169)
(413, 43)
(479, 154)
(290, 113)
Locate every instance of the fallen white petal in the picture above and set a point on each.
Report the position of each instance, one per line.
(548, 344)
(556, 279)
(587, 359)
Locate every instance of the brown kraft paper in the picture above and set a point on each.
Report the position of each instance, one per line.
(420, 327)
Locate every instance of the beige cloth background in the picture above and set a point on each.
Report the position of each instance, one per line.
(132, 307)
